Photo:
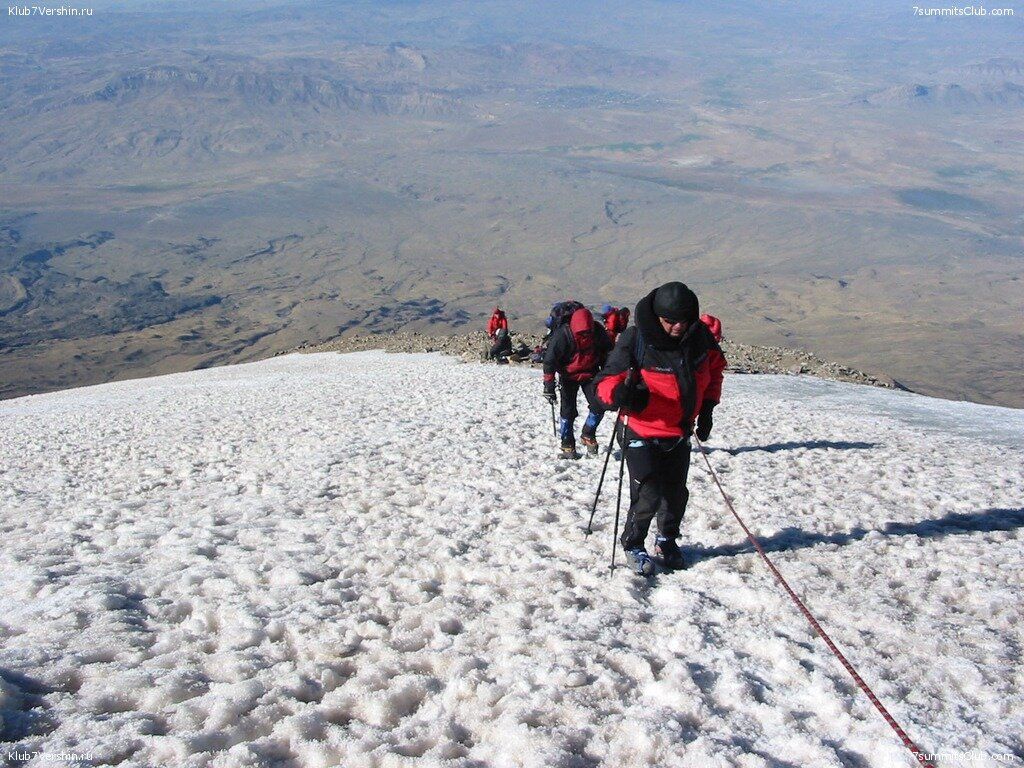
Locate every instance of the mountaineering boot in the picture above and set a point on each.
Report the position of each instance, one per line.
(671, 556)
(589, 434)
(590, 442)
(641, 561)
(566, 432)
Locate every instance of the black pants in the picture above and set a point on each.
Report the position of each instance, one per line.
(569, 390)
(657, 488)
(501, 348)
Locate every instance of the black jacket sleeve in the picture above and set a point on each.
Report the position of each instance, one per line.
(558, 353)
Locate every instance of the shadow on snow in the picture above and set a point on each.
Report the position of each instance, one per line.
(953, 524)
(810, 445)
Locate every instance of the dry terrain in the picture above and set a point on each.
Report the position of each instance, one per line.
(186, 185)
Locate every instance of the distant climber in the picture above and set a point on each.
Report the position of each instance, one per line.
(664, 374)
(576, 352)
(616, 319)
(498, 320)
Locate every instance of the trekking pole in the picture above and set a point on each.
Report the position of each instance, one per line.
(554, 424)
(618, 499)
(607, 455)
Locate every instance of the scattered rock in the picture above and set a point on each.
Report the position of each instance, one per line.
(743, 358)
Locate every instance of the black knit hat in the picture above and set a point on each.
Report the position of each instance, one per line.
(674, 301)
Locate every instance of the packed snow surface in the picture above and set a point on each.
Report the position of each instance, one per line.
(376, 560)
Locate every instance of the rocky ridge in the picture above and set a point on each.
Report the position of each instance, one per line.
(743, 358)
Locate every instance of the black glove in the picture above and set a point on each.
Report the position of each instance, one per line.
(705, 422)
(549, 392)
(632, 396)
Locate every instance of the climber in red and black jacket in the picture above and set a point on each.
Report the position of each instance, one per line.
(498, 321)
(665, 374)
(576, 352)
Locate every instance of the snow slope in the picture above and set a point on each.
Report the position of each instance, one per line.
(373, 560)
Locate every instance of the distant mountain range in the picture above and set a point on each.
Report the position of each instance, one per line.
(951, 95)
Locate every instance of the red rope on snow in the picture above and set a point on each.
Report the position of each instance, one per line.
(917, 751)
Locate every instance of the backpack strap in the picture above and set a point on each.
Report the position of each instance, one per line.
(639, 348)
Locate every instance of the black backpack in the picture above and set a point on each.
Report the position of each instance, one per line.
(561, 312)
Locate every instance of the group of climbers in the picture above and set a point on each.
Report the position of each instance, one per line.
(614, 319)
(664, 377)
